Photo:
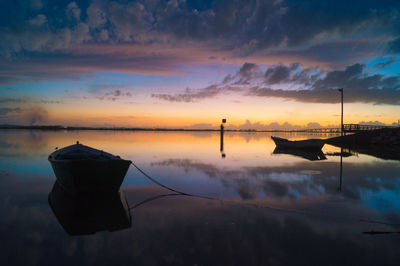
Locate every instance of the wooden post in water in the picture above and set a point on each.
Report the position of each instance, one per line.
(222, 138)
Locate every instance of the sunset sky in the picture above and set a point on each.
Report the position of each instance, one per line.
(151, 63)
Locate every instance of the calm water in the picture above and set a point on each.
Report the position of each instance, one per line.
(272, 208)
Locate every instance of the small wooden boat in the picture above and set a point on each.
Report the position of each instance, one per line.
(84, 169)
(310, 144)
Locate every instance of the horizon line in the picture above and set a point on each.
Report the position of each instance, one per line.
(59, 127)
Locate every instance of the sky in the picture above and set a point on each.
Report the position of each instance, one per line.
(260, 64)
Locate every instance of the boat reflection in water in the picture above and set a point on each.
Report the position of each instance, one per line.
(83, 214)
(311, 155)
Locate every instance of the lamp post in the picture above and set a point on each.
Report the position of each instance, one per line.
(341, 121)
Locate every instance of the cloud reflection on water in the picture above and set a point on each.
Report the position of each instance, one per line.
(361, 181)
(186, 230)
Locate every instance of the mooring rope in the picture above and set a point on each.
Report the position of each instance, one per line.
(154, 198)
(166, 187)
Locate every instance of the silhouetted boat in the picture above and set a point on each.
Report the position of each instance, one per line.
(310, 144)
(311, 155)
(82, 168)
(84, 214)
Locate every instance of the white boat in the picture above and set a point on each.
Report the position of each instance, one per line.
(84, 169)
(310, 144)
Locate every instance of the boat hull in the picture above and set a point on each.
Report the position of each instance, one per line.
(310, 144)
(87, 175)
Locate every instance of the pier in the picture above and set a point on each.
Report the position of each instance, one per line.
(347, 128)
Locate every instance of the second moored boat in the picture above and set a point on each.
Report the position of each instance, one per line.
(310, 144)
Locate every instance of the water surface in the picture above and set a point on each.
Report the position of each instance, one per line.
(271, 207)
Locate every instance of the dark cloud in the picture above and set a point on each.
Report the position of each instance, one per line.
(310, 85)
(247, 70)
(25, 100)
(114, 95)
(335, 54)
(394, 46)
(65, 40)
(49, 102)
(313, 18)
(375, 96)
(279, 73)
(26, 28)
(12, 100)
(244, 75)
(359, 86)
(189, 95)
(243, 27)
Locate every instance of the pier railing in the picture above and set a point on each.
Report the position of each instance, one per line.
(347, 128)
(358, 127)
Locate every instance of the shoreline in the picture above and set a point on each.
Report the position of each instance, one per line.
(72, 128)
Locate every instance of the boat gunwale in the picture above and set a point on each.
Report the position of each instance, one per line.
(297, 141)
(104, 158)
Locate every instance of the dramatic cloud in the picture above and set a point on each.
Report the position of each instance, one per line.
(359, 86)
(304, 85)
(331, 33)
(245, 26)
